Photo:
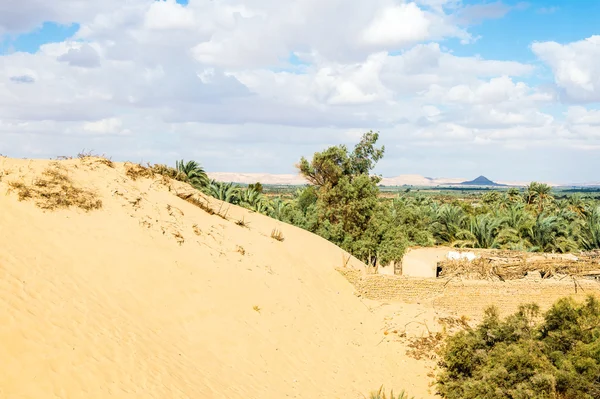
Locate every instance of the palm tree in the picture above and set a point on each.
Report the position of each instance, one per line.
(551, 234)
(279, 208)
(516, 228)
(540, 194)
(250, 197)
(590, 234)
(484, 229)
(514, 194)
(577, 204)
(227, 192)
(450, 225)
(491, 197)
(195, 174)
(254, 200)
(517, 218)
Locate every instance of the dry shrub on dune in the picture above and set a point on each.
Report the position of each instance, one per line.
(101, 159)
(136, 171)
(54, 189)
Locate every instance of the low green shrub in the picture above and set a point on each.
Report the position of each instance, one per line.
(527, 355)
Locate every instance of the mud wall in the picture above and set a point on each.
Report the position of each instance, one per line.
(468, 297)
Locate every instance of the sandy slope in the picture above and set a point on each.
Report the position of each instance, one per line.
(150, 297)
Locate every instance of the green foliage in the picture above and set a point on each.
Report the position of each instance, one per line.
(227, 192)
(195, 174)
(590, 238)
(380, 394)
(342, 203)
(327, 168)
(343, 199)
(526, 356)
(256, 187)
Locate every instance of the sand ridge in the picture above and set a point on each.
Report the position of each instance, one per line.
(152, 297)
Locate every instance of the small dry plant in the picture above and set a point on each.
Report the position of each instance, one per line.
(90, 156)
(428, 346)
(55, 189)
(242, 223)
(425, 347)
(136, 171)
(195, 201)
(256, 308)
(380, 394)
(240, 249)
(178, 237)
(196, 229)
(277, 235)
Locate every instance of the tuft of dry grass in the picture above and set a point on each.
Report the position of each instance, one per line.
(240, 250)
(178, 237)
(256, 308)
(195, 201)
(136, 171)
(196, 229)
(90, 156)
(425, 347)
(242, 223)
(169, 172)
(277, 235)
(54, 190)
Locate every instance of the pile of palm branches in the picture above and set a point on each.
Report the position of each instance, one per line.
(512, 266)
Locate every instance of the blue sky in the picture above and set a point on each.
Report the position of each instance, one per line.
(260, 84)
(30, 42)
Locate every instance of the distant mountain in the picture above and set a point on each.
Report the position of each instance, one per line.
(401, 180)
(481, 181)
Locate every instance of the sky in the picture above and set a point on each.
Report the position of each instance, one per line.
(506, 89)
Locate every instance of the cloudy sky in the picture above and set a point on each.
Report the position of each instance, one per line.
(456, 88)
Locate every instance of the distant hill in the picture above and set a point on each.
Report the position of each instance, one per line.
(481, 181)
(400, 180)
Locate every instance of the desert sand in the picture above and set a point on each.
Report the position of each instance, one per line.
(150, 296)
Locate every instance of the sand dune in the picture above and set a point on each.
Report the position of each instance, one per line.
(152, 297)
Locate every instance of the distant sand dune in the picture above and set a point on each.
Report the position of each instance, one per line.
(296, 179)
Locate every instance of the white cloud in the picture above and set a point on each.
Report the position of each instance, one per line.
(25, 15)
(155, 81)
(582, 116)
(84, 56)
(397, 25)
(169, 15)
(575, 67)
(105, 126)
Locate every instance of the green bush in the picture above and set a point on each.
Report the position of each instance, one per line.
(526, 356)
